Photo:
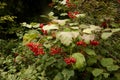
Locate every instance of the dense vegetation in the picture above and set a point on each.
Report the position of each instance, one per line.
(60, 40)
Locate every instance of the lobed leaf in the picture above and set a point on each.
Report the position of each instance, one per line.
(96, 72)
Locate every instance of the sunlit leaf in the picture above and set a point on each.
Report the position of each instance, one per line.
(63, 2)
(51, 14)
(106, 35)
(67, 37)
(116, 30)
(50, 27)
(61, 22)
(63, 14)
(32, 34)
(35, 25)
(93, 27)
(88, 30)
(88, 37)
(84, 26)
(80, 61)
(81, 15)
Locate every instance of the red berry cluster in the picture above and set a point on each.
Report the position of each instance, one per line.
(81, 43)
(36, 48)
(118, 1)
(54, 51)
(76, 12)
(94, 42)
(41, 25)
(69, 4)
(43, 31)
(72, 14)
(51, 4)
(104, 25)
(70, 60)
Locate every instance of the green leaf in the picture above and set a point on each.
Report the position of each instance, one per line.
(35, 25)
(32, 34)
(63, 14)
(96, 72)
(106, 35)
(98, 78)
(90, 52)
(73, 24)
(80, 61)
(91, 61)
(59, 76)
(116, 30)
(67, 73)
(55, 0)
(106, 62)
(66, 38)
(50, 61)
(115, 25)
(88, 30)
(117, 75)
(113, 67)
(81, 15)
(61, 22)
(91, 29)
(51, 14)
(106, 75)
(88, 37)
(50, 27)
(84, 26)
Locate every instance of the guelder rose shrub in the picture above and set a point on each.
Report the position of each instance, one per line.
(69, 46)
(72, 44)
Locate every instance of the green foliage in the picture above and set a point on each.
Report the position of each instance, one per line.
(31, 35)
(97, 72)
(106, 62)
(91, 50)
(80, 61)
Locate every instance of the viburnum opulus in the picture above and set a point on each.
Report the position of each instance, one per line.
(70, 60)
(55, 50)
(36, 48)
(94, 42)
(81, 43)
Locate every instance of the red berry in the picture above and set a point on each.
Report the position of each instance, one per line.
(94, 43)
(81, 43)
(54, 51)
(44, 32)
(71, 15)
(104, 24)
(41, 25)
(36, 48)
(118, 1)
(76, 12)
(70, 60)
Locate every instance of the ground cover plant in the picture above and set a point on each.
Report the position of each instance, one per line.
(79, 41)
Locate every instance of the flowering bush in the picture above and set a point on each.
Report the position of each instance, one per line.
(64, 49)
